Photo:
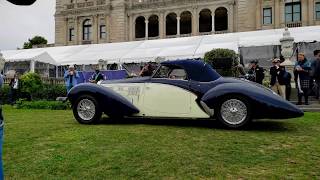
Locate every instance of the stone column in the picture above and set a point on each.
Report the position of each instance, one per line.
(76, 33)
(258, 16)
(147, 29)
(282, 16)
(311, 12)
(178, 25)
(195, 22)
(277, 15)
(230, 18)
(212, 18)
(304, 12)
(130, 27)
(79, 31)
(95, 28)
(161, 25)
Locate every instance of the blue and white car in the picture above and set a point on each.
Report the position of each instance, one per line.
(188, 89)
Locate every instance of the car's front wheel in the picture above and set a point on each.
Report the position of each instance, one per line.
(86, 110)
(234, 111)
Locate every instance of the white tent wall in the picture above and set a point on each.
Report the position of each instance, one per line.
(264, 54)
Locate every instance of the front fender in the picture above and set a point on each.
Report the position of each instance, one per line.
(264, 102)
(110, 102)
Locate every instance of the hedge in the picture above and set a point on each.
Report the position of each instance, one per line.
(53, 105)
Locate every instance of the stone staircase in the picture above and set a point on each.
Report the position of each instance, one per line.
(314, 104)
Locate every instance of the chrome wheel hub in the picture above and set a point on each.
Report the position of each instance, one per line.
(86, 109)
(233, 111)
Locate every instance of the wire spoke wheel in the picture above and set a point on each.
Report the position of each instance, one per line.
(86, 109)
(234, 111)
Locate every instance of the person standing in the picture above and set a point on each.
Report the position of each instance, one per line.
(256, 73)
(287, 78)
(97, 76)
(302, 78)
(71, 77)
(239, 71)
(14, 87)
(316, 72)
(277, 78)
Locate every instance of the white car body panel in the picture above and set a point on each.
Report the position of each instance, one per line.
(160, 100)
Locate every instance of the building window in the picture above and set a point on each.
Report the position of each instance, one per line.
(267, 16)
(318, 10)
(293, 12)
(71, 34)
(221, 19)
(103, 33)
(87, 30)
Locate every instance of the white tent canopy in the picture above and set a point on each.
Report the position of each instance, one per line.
(166, 49)
(37, 55)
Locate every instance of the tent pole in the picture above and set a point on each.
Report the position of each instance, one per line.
(57, 71)
(32, 66)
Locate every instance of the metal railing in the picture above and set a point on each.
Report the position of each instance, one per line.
(294, 24)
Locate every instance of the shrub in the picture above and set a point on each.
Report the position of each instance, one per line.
(31, 84)
(215, 56)
(4, 93)
(53, 105)
(51, 92)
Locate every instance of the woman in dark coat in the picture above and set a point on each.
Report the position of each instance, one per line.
(302, 77)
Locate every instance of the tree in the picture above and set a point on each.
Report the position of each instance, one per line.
(222, 59)
(36, 40)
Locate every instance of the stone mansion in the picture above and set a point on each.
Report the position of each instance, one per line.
(103, 21)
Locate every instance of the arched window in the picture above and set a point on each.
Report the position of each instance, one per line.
(171, 24)
(87, 29)
(153, 26)
(221, 19)
(185, 22)
(205, 21)
(140, 27)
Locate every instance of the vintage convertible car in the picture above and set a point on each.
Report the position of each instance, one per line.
(180, 89)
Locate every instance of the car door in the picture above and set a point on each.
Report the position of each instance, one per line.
(167, 95)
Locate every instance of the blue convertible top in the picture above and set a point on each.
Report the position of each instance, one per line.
(197, 70)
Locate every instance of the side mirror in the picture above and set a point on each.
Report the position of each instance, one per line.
(22, 2)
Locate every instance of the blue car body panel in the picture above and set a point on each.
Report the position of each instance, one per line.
(110, 102)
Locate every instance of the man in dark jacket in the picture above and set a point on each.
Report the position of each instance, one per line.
(316, 71)
(302, 78)
(277, 78)
(97, 76)
(256, 73)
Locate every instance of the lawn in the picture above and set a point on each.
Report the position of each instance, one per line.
(45, 144)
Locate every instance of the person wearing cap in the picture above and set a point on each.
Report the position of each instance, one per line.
(277, 81)
(302, 69)
(256, 73)
(71, 77)
(97, 76)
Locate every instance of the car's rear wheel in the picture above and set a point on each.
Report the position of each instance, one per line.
(234, 111)
(86, 110)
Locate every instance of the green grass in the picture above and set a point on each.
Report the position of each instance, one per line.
(45, 144)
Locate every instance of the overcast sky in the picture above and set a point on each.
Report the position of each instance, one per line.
(18, 23)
